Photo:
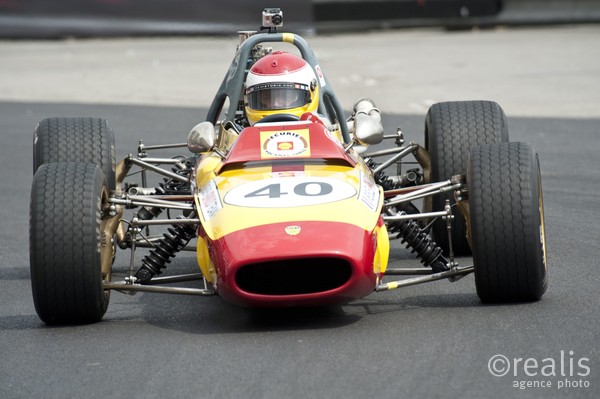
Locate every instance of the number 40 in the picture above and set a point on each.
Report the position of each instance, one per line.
(306, 189)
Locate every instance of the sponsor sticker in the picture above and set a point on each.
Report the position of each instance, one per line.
(284, 174)
(293, 143)
(210, 202)
(320, 76)
(369, 193)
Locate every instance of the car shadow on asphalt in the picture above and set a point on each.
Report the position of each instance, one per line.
(214, 316)
(378, 306)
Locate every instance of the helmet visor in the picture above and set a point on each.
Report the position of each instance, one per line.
(277, 96)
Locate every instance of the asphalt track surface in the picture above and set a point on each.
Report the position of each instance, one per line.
(433, 340)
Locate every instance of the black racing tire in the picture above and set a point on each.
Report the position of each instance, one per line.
(507, 223)
(451, 130)
(65, 241)
(86, 140)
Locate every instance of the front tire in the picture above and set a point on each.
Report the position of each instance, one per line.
(507, 223)
(65, 242)
(451, 130)
(86, 140)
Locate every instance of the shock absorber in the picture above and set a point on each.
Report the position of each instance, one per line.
(420, 243)
(172, 242)
(381, 178)
(412, 177)
(410, 232)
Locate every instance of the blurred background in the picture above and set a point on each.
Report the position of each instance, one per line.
(151, 67)
(85, 18)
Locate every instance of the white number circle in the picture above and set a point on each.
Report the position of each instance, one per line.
(289, 192)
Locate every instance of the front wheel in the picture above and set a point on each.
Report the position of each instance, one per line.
(507, 223)
(451, 130)
(65, 243)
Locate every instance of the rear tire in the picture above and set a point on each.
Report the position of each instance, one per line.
(451, 130)
(86, 140)
(64, 243)
(507, 223)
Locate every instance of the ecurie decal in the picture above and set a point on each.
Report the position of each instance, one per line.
(293, 143)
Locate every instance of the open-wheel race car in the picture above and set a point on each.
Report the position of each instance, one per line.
(282, 200)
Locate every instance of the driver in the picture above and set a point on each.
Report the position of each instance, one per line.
(280, 83)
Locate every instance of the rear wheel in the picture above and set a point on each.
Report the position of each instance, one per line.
(65, 242)
(451, 130)
(507, 223)
(86, 140)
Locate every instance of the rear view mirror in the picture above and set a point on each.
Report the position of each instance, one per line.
(201, 138)
(367, 123)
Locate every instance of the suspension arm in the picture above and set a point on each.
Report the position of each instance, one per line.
(434, 188)
(125, 286)
(169, 161)
(154, 222)
(387, 151)
(142, 148)
(157, 169)
(134, 201)
(389, 218)
(456, 272)
(404, 152)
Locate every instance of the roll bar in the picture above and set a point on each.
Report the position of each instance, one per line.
(233, 84)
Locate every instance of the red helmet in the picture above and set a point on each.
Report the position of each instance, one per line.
(280, 83)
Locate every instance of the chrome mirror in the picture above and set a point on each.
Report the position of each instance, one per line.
(367, 126)
(201, 138)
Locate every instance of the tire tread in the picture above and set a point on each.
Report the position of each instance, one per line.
(452, 129)
(505, 220)
(64, 243)
(87, 140)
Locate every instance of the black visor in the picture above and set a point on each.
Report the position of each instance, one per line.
(276, 96)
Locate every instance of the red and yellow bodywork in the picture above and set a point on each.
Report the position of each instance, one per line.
(289, 218)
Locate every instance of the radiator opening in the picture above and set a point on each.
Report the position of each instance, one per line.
(293, 277)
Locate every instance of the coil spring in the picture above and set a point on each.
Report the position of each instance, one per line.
(384, 181)
(172, 186)
(418, 242)
(381, 178)
(172, 242)
(410, 232)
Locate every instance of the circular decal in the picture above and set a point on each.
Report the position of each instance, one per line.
(285, 144)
